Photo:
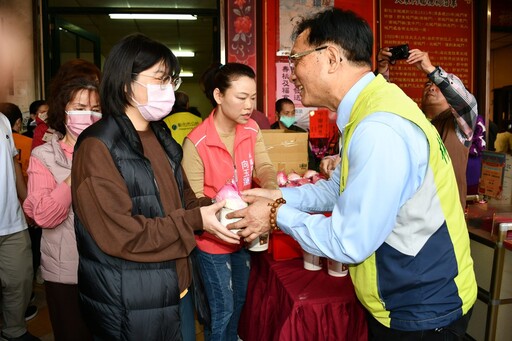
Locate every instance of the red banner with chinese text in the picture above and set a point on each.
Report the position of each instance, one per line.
(320, 124)
(443, 28)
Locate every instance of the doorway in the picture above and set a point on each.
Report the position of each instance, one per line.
(87, 30)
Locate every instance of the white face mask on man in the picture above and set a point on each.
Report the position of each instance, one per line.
(159, 104)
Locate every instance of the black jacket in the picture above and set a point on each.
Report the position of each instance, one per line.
(121, 299)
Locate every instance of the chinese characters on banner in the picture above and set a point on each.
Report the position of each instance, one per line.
(286, 89)
(441, 28)
(321, 123)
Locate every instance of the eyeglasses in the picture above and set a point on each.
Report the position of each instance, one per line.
(165, 80)
(294, 57)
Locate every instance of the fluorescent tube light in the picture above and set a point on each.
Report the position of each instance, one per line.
(183, 53)
(186, 74)
(152, 16)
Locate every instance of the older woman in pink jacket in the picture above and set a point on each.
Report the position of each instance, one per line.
(74, 106)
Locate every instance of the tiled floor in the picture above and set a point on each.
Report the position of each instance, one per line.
(40, 325)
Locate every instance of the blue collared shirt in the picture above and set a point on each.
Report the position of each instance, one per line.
(388, 158)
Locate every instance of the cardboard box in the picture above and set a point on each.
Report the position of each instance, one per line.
(288, 150)
(496, 178)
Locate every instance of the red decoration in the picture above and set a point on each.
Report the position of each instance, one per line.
(241, 32)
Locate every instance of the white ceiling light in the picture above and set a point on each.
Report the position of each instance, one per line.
(186, 74)
(183, 53)
(152, 16)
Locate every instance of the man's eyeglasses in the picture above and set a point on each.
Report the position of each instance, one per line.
(295, 57)
(165, 80)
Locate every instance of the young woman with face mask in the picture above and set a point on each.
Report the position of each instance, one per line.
(74, 105)
(227, 146)
(135, 213)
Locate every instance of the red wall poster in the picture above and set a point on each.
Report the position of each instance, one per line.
(443, 28)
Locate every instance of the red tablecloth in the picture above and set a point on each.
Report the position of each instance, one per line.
(286, 302)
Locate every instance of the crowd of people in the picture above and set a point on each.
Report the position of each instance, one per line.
(110, 191)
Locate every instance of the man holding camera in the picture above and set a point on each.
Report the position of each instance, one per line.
(446, 102)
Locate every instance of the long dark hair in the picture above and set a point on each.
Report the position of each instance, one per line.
(130, 56)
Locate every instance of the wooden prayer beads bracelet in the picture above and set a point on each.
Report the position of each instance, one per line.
(273, 209)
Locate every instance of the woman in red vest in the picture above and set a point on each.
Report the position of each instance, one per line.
(226, 147)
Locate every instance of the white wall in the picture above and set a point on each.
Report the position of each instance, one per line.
(17, 83)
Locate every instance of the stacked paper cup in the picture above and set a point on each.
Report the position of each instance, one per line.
(312, 262)
(336, 269)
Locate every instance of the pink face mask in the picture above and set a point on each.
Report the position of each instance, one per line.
(160, 102)
(78, 120)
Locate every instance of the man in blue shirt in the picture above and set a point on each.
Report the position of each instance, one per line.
(395, 217)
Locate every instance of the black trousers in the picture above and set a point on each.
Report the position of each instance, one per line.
(35, 238)
(65, 314)
(453, 332)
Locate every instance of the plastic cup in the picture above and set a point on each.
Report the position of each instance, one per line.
(312, 262)
(336, 269)
(259, 244)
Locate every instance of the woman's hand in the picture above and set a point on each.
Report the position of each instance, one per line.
(212, 225)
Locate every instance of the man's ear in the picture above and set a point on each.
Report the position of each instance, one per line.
(334, 56)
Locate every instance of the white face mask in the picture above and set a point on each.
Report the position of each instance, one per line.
(78, 120)
(160, 102)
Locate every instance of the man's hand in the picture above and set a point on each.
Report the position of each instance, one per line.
(383, 60)
(272, 194)
(421, 60)
(255, 217)
(328, 164)
(212, 225)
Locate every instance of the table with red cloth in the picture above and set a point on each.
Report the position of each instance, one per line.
(286, 302)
